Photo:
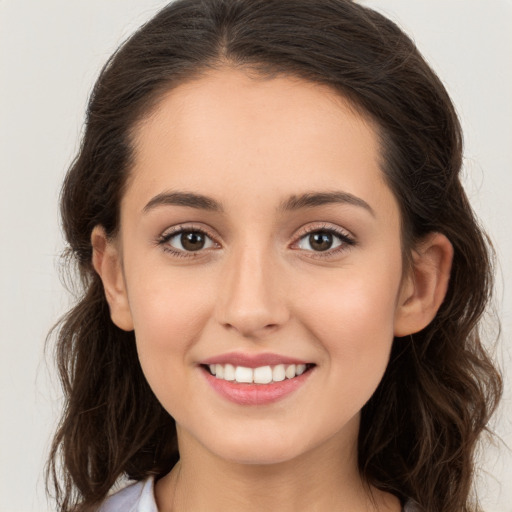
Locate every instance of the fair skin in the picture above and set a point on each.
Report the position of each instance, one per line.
(258, 283)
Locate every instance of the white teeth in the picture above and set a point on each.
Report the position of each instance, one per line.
(301, 368)
(229, 372)
(244, 375)
(279, 373)
(260, 375)
(290, 371)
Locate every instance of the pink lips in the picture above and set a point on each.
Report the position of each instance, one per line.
(253, 394)
(252, 360)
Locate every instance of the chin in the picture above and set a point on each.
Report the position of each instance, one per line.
(262, 448)
(259, 456)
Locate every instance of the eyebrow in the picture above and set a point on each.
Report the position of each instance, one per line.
(189, 199)
(293, 203)
(312, 199)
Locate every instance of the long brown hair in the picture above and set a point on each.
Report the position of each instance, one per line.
(419, 430)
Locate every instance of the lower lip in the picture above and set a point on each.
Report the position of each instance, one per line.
(255, 394)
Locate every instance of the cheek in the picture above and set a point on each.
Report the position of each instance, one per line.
(354, 301)
(169, 316)
(166, 308)
(352, 317)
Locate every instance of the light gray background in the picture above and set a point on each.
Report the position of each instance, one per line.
(50, 54)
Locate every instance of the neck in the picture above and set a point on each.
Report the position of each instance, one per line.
(327, 477)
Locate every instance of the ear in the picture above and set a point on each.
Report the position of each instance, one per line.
(106, 259)
(424, 288)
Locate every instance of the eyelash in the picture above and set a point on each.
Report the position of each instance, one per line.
(346, 241)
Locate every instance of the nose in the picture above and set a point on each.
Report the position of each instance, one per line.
(252, 294)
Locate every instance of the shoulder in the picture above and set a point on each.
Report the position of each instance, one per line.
(137, 497)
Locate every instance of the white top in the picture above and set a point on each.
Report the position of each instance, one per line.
(140, 497)
(137, 497)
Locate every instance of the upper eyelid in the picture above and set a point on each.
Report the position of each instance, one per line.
(172, 231)
(326, 227)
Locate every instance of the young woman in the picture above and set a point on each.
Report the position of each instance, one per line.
(282, 276)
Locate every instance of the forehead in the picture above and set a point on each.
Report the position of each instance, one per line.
(228, 132)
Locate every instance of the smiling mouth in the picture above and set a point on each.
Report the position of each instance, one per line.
(260, 375)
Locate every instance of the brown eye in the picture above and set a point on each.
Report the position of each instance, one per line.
(192, 240)
(186, 241)
(325, 241)
(320, 241)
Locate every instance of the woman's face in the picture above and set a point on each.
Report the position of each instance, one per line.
(257, 231)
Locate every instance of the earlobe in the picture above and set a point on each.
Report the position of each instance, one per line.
(106, 260)
(425, 287)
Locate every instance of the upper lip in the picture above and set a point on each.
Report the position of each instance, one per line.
(252, 360)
